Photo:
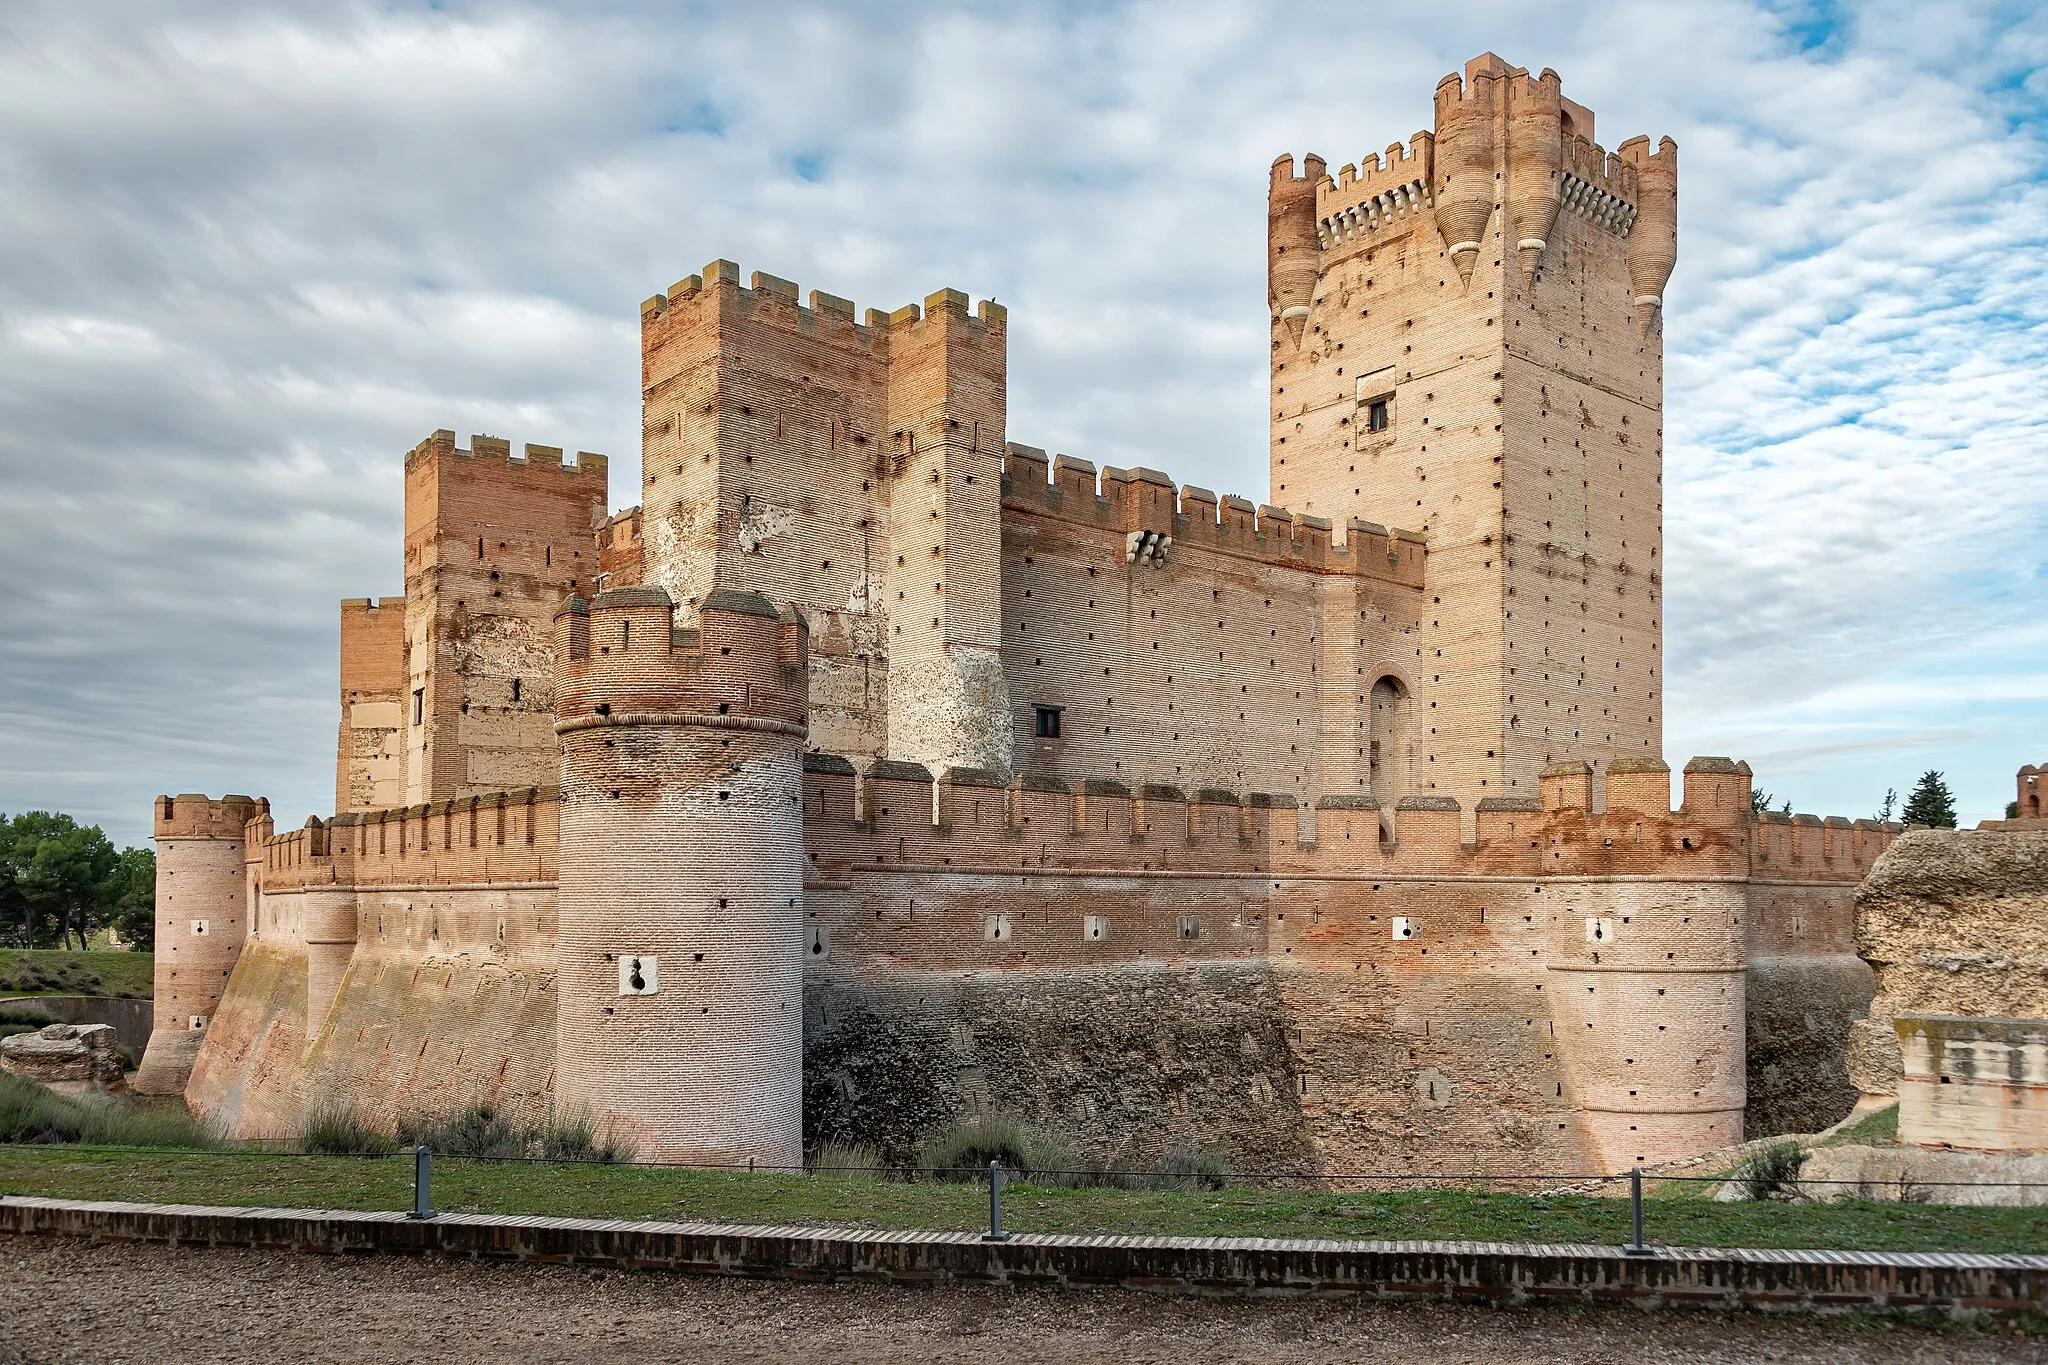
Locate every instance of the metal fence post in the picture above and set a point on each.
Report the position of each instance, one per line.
(995, 1231)
(422, 1178)
(1638, 1247)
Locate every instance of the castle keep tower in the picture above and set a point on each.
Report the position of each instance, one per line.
(202, 918)
(852, 468)
(1466, 335)
(679, 1018)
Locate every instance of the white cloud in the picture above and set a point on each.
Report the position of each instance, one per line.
(252, 254)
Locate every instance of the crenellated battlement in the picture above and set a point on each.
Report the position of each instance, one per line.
(772, 300)
(1365, 200)
(1144, 505)
(500, 838)
(619, 656)
(193, 816)
(896, 814)
(541, 462)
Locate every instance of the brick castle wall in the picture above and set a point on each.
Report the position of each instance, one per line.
(966, 913)
(369, 765)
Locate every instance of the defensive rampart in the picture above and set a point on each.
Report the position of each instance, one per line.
(400, 960)
(1570, 988)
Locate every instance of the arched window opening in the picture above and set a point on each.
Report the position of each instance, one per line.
(1390, 747)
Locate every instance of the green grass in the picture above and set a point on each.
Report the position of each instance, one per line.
(735, 1197)
(50, 971)
(1879, 1128)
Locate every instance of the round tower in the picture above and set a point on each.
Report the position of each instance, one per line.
(1291, 245)
(1535, 164)
(1465, 159)
(1653, 241)
(1648, 971)
(679, 976)
(202, 920)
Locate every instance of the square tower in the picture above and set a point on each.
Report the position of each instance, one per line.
(853, 470)
(1466, 337)
(493, 542)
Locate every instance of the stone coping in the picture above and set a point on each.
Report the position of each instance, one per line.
(1942, 1283)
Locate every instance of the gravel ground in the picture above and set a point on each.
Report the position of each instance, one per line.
(66, 1300)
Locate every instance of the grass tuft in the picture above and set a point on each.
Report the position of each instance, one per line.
(1027, 1153)
(846, 1160)
(335, 1127)
(32, 1114)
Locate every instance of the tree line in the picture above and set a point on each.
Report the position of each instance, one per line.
(1931, 805)
(61, 882)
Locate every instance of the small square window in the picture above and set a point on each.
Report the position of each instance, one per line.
(1190, 926)
(1046, 722)
(1376, 415)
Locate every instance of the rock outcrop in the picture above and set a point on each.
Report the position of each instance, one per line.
(1954, 922)
(72, 1059)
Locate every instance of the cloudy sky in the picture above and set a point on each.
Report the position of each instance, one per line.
(250, 254)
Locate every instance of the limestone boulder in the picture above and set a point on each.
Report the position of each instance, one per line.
(68, 1058)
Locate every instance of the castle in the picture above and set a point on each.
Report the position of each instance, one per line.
(875, 770)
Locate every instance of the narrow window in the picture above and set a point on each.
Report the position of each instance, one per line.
(1047, 722)
(1376, 415)
(419, 705)
(515, 691)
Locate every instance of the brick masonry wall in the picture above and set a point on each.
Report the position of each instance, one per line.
(1235, 985)
(1239, 657)
(401, 962)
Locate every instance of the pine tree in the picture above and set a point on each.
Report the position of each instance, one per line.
(1931, 804)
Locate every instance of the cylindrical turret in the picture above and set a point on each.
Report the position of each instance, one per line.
(1647, 974)
(1653, 241)
(1535, 161)
(1291, 243)
(679, 1018)
(202, 919)
(1649, 1012)
(1465, 163)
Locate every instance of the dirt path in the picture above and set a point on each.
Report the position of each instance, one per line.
(64, 1301)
